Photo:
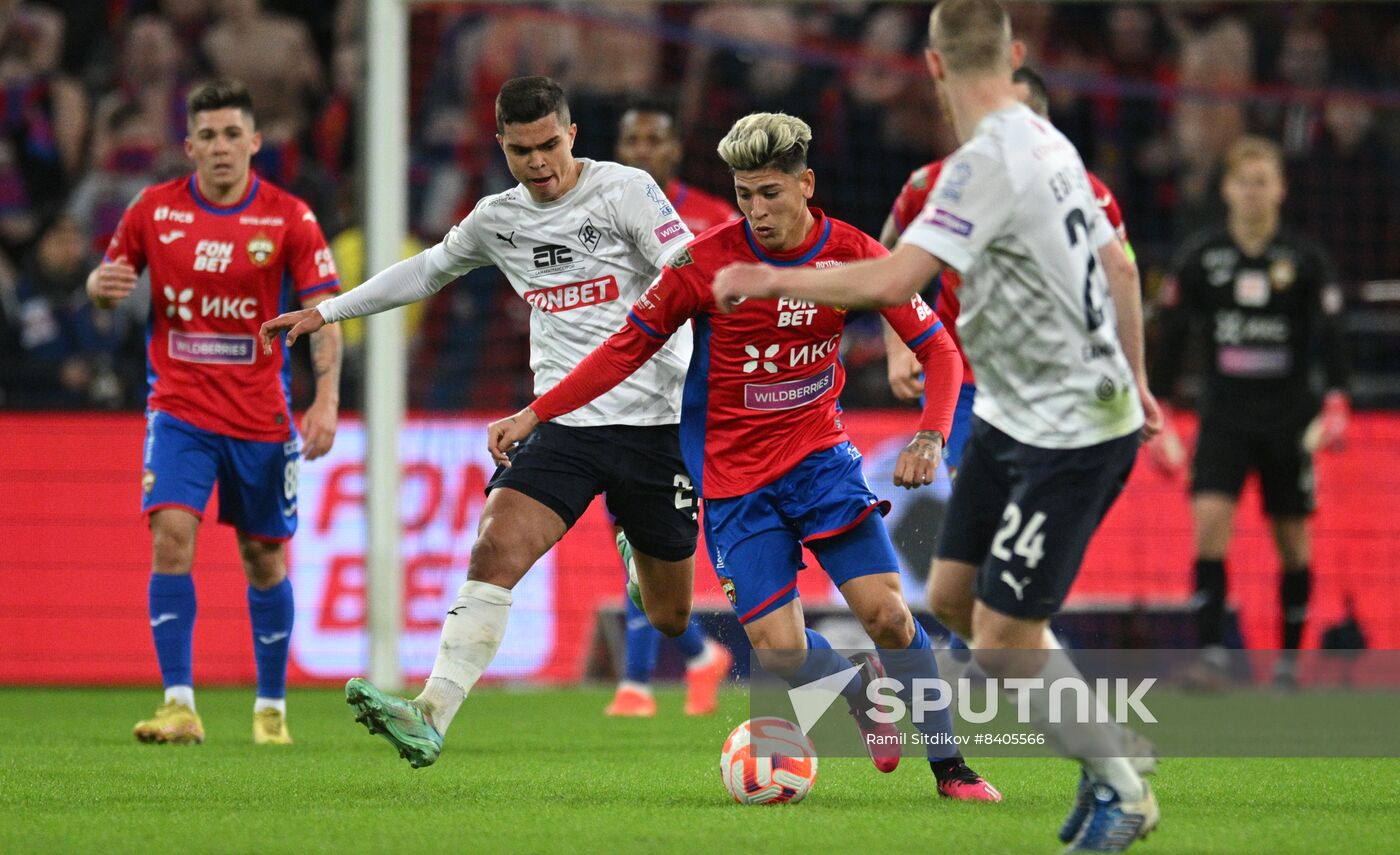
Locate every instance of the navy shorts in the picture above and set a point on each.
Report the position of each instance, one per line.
(755, 541)
(648, 489)
(1024, 515)
(257, 480)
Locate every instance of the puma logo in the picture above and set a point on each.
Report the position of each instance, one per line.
(1018, 587)
(510, 239)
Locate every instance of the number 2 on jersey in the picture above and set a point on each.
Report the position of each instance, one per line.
(1030, 545)
(1093, 314)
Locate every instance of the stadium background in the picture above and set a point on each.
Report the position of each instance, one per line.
(92, 110)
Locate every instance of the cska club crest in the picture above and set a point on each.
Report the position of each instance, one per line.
(728, 585)
(260, 249)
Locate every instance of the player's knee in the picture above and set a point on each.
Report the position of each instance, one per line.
(783, 662)
(889, 624)
(172, 548)
(671, 619)
(264, 563)
(954, 612)
(498, 558)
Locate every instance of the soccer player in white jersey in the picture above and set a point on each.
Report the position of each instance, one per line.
(579, 240)
(1051, 322)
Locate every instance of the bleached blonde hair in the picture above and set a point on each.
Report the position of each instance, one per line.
(767, 141)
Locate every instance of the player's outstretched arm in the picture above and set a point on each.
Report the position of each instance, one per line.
(867, 284)
(319, 423)
(111, 282)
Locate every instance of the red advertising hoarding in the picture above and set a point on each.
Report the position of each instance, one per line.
(75, 554)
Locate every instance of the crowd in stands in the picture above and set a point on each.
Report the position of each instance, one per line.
(92, 110)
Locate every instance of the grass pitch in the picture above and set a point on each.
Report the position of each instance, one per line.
(545, 771)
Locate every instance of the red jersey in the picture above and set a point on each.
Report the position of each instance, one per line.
(697, 209)
(216, 274)
(910, 202)
(762, 388)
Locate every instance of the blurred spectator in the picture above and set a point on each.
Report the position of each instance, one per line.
(275, 58)
(1218, 61)
(43, 121)
(151, 82)
(131, 146)
(1345, 191)
(190, 21)
(1304, 63)
(66, 353)
(611, 63)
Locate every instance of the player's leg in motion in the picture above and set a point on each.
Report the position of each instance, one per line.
(172, 613)
(665, 587)
(514, 532)
(859, 561)
(271, 609)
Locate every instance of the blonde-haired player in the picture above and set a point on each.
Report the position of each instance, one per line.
(1051, 322)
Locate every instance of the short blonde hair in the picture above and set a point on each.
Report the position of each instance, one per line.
(767, 141)
(971, 35)
(1248, 148)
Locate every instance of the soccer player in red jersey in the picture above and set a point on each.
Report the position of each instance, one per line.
(649, 139)
(225, 251)
(762, 436)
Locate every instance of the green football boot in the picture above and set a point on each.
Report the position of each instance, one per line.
(398, 720)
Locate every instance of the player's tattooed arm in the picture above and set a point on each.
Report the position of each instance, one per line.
(918, 462)
(319, 424)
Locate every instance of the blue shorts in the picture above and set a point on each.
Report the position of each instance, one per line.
(962, 426)
(257, 480)
(755, 540)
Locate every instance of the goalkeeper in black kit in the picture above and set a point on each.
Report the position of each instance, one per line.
(1270, 311)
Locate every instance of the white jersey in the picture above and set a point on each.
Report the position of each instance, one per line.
(580, 262)
(1013, 212)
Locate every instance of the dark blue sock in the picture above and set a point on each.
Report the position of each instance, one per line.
(642, 641)
(822, 661)
(172, 606)
(917, 662)
(691, 643)
(271, 612)
(955, 641)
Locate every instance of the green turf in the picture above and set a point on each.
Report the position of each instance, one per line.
(544, 771)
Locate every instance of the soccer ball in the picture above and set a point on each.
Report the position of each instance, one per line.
(784, 773)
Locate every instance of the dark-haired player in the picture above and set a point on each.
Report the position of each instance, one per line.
(579, 240)
(226, 251)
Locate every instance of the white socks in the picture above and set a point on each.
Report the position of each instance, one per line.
(279, 704)
(471, 635)
(180, 695)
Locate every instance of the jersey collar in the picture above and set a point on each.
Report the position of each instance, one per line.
(803, 252)
(221, 210)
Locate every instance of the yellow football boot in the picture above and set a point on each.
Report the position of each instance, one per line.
(174, 723)
(270, 728)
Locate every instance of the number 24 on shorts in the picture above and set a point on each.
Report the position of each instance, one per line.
(1030, 545)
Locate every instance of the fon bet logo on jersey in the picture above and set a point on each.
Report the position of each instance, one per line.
(216, 276)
